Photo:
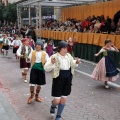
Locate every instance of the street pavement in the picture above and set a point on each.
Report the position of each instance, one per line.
(89, 99)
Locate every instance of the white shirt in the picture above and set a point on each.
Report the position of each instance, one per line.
(38, 56)
(103, 50)
(64, 62)
(20, 50)
(1, 39)
(16, 43)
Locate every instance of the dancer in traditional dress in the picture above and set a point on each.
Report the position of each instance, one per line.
(62, 65)
(70, 46)
(6, 44)
(16, 43)
(49, 47)
(23, 52)
(106, 70)
(38, 58)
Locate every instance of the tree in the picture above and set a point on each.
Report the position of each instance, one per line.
(10, 13)
(1, 12)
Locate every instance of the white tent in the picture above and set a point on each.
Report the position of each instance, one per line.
(60, 3)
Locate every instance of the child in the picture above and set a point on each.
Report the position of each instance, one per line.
(23, 52)
(70, 46)
(49, 47)
(106, 69)
(6, 44)
(62, 65)
(31, 42)
(16, 43)
(38, 58)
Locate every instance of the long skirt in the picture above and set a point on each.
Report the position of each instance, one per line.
(99, 72)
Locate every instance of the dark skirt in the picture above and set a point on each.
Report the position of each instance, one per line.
(37, 77)
(111, 69)
(5, 47)
(15, 50)
(61, 86)
(24, 64)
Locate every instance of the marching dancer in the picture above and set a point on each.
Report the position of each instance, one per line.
(16, 43)
(49, 47)
(70, 46)
(38, 58)
(23, 52)
(62, 65)
(106, 70)
(6, 44)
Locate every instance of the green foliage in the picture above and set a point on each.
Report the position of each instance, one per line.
(1, 12)
(9, 13)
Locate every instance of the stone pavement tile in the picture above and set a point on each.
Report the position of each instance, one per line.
(4, 117)
(2, 111)
(11, 113)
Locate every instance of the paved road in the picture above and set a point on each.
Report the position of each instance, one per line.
(88, 101)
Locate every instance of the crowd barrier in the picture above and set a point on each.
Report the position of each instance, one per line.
(88, 43)
(83, 11)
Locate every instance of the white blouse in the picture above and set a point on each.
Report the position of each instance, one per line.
(16, 43)
(64, 62)
(103, 50)
(38, 56)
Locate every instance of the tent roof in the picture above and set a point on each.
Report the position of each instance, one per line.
(55, 3)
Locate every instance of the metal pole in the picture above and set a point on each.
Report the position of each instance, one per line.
(38, 19)
(19, 16)
(29, 13)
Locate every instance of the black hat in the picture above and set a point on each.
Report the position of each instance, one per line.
(61, 44)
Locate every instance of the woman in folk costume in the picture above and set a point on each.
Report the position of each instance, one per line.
(16, 43)
(106, 70)
(23, 52)
(38, 58)
(70, 46)
(62, 65)
(6, 44)
(49, 47)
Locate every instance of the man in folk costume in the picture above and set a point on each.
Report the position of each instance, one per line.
(6, 44)
(62, 65)
(23, 52)
(38, 58)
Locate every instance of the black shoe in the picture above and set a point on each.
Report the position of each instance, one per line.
(52, 111)
(58, 117)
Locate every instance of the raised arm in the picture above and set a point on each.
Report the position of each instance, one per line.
(115, 48)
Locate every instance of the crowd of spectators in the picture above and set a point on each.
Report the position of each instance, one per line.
(90, 25)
